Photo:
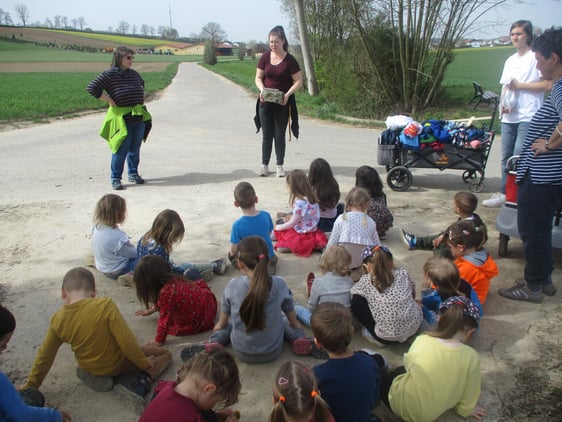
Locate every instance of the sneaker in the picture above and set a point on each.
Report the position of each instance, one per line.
(134, 389)
(280, 171)
(408, 239)
(521, 292)
(547, 289)
(207, 275)
(496, 201)
(32, 397)
(90, 261)
(126, 280)
(264, 170)
(94, 382)
(219, 266)
(368, 337)
(192, 350)
(305, 346)
(136, 179)
(116, 184)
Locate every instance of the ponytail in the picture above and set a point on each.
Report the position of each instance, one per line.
(468, 234)
(380, 258)
(252, 251)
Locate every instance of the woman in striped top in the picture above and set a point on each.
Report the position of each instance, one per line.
(127, 121)
(539, 176)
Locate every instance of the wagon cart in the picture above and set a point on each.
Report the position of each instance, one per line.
(442, 145)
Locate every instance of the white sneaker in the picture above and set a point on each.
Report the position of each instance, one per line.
(496, 201)
(264, 171)
(368, 337)
(280, 171)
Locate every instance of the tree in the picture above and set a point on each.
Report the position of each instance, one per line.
(23, 12)
(57, 20)
(169, 33)
(64, 21)
(305, 47)
(242, 51)
(210, 56)
(122, 27)
(74, 22)
(81, 23)
(213, 32)
(423, 34)
(144, 29)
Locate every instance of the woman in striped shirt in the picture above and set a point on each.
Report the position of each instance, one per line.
(127, 121)
(539, 176)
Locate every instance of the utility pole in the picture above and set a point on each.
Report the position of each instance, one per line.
(170, 11)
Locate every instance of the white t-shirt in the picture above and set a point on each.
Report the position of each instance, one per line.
(523, 69)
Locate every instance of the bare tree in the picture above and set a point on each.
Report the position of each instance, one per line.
(57, 20)
(81, 23)
(122, 27)
(423, 35)
(152, 30)
(170, 33)
(144, 29)
(213, 32)
(8, 19)
(48, 23)
(74, 22)
(23, 12)
(134, 29)
(64, 21)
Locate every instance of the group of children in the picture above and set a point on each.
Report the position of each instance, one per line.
(257, 311)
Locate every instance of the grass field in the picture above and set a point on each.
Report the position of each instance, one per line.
(39, 95)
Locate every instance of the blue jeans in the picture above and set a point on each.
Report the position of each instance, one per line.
(274, 119)
(536, 208)
(513, 136)
(303, 314)
(129, 150)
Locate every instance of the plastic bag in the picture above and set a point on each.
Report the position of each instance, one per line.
(508, 100)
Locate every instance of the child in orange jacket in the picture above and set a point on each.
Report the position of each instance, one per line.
(466, 240)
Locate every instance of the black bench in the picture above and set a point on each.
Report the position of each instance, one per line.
(483, 96)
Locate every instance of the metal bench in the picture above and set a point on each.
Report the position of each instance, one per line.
(483, 96)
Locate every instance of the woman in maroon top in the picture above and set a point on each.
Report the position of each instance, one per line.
(279, 70)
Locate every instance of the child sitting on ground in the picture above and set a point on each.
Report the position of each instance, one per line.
(299, 234)
(252, 223)
(466, 239)
(167, 230)
(333, 286)
(354, 229)
(464, 205)
(103, 344)
(348, 381)
(14, 406)
(257, 312)
(443, 279)
(367, 177)
(185, 306)
(327, 190)
(202, 382)
(383, 300)
(296, 397)
(443, 364)
(114, 254)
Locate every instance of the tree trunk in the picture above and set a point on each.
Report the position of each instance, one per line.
(305, 46)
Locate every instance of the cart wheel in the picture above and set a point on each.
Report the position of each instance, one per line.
(399, 178)
(476, 184)
(502, 248)
(468, 175)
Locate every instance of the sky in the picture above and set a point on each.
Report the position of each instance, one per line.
(242, 20)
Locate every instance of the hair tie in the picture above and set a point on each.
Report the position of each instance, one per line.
(476, 228)
(282, 381)
(466, 232)
(261, 256)
(282, 399)
(313, 393)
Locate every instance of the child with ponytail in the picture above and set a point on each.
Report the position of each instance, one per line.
(457, 387)
(383, 300)
(296, 397)
(257, 312)
(466, 240)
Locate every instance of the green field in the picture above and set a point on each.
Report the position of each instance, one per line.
(36, 96)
